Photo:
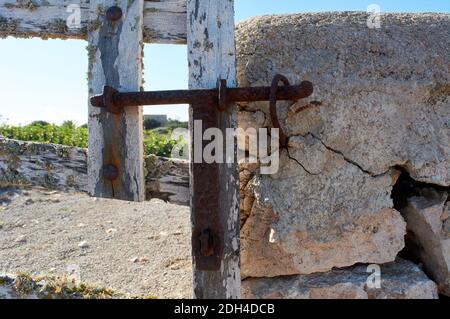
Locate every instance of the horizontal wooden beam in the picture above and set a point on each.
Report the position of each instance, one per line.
(164, 20)
(64, 168)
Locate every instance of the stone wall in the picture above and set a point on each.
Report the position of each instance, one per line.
(65, 168)
(381, 112)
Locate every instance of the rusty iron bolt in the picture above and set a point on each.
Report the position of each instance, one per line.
(114, 13)
(110, 172)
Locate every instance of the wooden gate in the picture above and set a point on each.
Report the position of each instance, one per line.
(116, 32)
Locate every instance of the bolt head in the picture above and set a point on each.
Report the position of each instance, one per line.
(114, 13)
(110, 172)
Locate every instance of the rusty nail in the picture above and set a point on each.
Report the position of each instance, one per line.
(110, 172)
(206, 243)
(114, 13)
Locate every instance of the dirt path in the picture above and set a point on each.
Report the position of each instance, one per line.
(138, 248)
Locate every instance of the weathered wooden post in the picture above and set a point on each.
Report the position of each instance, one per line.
(115, 166)
(214, 187)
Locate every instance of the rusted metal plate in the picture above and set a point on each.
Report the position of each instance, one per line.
(207, 232)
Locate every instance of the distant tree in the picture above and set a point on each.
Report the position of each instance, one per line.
(69, 124)
(39, 123)
(150, 124)
(84, 126)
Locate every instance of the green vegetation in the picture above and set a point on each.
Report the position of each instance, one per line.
(40, 131)
(158, 144)
(157, 141)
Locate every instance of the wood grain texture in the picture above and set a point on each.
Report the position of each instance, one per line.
(64, 168)
(41, 18)
(211, 55)
(164, 20)
(115, 59)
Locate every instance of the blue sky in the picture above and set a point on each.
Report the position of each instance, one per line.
(46, 80)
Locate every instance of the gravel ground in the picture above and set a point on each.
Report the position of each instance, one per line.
(141, 249)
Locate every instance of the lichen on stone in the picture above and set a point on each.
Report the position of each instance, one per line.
(50, 181)
(12, 178)
(63, 152)
(48, 166)
(70, 181)
(13, 162)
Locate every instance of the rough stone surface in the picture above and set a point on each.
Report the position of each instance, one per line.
(428, 226)
(399, 280)
(384, 93)
(304, 223)
(48, 165)
(381, 102)
(64, 168)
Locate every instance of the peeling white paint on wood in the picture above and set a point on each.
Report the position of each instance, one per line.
(41, 18)
(164, 20)
(211, 55)
(115, 51)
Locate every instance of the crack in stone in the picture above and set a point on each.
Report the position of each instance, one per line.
(301, 165)
(339, 153)
(347, 159)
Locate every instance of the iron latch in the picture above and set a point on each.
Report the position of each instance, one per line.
(114, 101)
(209, 224)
